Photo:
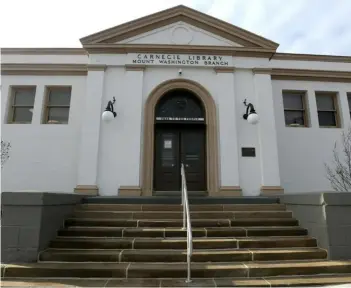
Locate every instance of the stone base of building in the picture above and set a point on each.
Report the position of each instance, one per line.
(29, 221)
(87, 190)
(327, 216)
(232, 191)
(271, 190)
(129, 191)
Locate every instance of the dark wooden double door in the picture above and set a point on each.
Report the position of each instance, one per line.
(176, 144)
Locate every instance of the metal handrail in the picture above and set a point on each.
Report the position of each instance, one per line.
(187, 223)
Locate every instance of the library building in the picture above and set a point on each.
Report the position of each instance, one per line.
(174, 150)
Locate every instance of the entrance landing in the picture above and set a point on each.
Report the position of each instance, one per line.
(177, 200)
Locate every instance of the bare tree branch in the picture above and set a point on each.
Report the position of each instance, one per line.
(5, 151)
(339, 172)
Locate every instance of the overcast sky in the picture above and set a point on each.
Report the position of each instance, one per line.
(299, 26)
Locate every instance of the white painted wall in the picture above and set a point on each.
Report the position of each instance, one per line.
(43, 157)
(303, 151)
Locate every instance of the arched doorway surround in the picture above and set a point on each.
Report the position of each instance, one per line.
(211, 133)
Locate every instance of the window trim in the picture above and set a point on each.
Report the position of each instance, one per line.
(348, 96)
(336, 110)
(12, 106)
(47, 106)
(304, 95)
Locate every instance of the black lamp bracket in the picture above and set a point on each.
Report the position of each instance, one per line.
(248, 106)
(110, 106)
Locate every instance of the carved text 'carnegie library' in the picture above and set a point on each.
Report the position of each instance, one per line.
(180, 59)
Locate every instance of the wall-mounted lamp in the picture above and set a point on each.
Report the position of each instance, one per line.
(251, 116)
(109, 112)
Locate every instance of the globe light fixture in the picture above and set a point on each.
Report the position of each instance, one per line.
(251, 116)
(109, 114)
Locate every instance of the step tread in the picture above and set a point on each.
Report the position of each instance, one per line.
(103, 228)
(123, 215)
(175, 269)
(171, 266)
(181, 211)
(134, 239)
(155, 206)
(170, 255)
(83, 221)
(177, 200)
(180, 243)
(180, 220)
(288, 264)
(118, 282)
(197, 211)
(181, 251)
(278, 281)
(177, 239)
(141, 232)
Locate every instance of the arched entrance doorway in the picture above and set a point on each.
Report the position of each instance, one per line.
(180, 137)
(199, 95)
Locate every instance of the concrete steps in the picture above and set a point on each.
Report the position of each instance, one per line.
(138, 244)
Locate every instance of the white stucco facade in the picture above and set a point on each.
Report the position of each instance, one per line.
(88, 153)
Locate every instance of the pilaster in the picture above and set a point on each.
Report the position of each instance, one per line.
(229, 151)
(270, 176)
(132, 117)
(90, 131)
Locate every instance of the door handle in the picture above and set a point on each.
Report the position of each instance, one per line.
(186, 165)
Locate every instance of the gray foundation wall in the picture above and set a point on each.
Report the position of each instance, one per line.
(30, 220)
(327, 216)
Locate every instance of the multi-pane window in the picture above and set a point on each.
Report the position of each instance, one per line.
(58, 101)
(294, 108)
(327, 109)
(22, 104)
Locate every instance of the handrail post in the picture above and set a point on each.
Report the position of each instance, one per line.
(186, 222)
(183, 196)
(182, 185)
(188, 279)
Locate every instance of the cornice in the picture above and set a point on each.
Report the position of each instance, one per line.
(44, 69)
(43, 51)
